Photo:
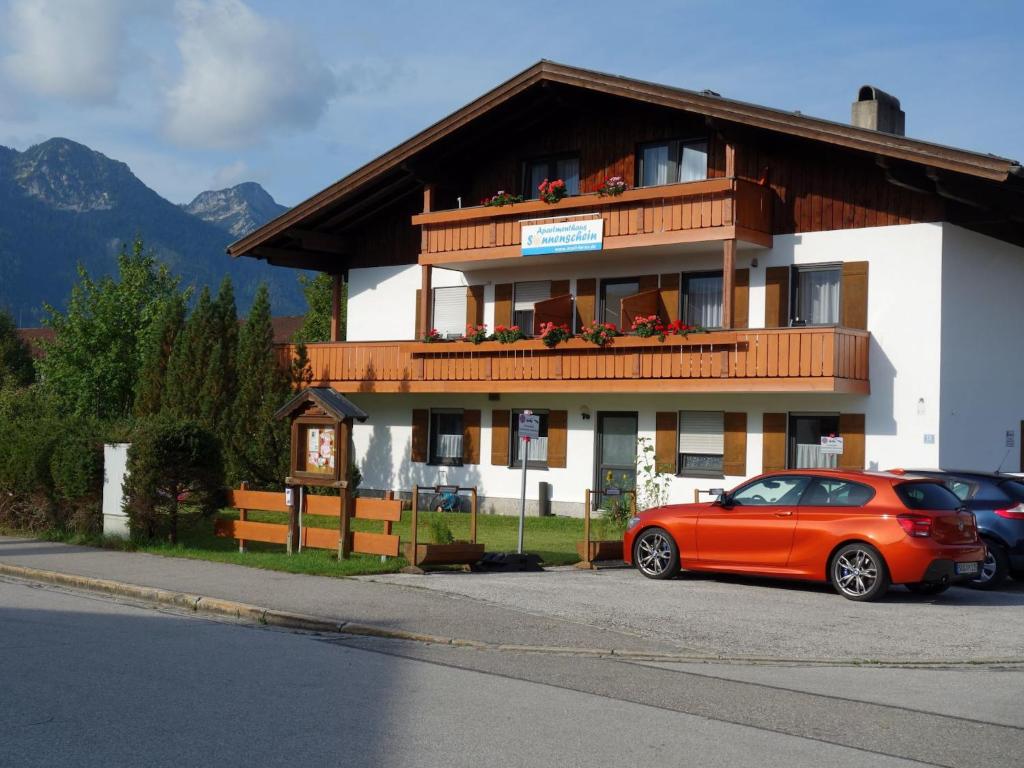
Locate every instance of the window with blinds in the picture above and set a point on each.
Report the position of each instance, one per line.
(450, 311)
(524, 297)
(701, 442)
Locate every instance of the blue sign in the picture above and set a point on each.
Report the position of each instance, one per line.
(562, 237)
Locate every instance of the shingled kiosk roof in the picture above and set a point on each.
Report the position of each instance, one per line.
(336, 404)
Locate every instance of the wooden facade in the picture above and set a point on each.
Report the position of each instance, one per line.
(768, 360)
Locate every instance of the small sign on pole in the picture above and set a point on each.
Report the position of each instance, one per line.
(831, 444)
(529, 429)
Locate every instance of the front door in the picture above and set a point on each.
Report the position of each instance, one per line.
(757, 528)
(616, 451)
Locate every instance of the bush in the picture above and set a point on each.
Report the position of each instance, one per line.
(171, 464)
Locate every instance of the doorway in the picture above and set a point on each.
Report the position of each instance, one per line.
(616, 450)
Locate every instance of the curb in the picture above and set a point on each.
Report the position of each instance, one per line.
(298, 621)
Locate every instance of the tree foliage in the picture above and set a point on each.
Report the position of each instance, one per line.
(93, 363)
(156, 353)
(16, 367)
(220, 379)
(189, 360)
(317, 324)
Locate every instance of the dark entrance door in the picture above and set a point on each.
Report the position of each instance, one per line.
(616, 450)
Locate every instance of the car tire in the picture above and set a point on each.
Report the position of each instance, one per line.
(655, 554)
(858, 572)
(927, 588)
(994, 569)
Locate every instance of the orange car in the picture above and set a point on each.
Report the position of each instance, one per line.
(862, 531)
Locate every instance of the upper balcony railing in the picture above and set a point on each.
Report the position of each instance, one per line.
(825, 359)
(715, 209)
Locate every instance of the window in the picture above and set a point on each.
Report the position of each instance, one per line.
(449, 310)
(446, 432)
(538, 450)
(525, 295)
(930, 496)
(668, 162)
(781, 489)
(566, 168)
(702, 299)
(827, 492)
(612, 294)
(816, 295)
(701, 442)
(805, 433)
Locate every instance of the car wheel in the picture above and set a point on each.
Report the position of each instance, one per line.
(655, 554)
(926, 588)
(858, 572)
(994, 570)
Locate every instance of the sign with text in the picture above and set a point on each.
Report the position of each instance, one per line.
(562, 237)
(529, 425)
(832, 445)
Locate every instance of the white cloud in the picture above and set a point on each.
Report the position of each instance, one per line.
(65, 48)
(243, 77)
(229, 175)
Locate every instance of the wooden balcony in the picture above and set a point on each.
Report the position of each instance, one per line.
(716, 209)
(762, 360)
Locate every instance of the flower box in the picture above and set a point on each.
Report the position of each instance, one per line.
(600, 549)
(456, 553)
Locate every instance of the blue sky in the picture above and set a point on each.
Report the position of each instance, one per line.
(199, 94)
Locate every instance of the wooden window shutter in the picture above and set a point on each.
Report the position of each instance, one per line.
(853, 293)
(773, 451)
(851, 429)
(586, 301)
(503, 304)
(418, 326)
(734, 460)
(668, 304)
(643, 304)
(474, 305)
(666, 427)
(741, 299)
(557, 310)
(499, 437)
(648, 283)
(558, 438)
(420, 428)
(559, 287)
(471, 437)
(776, 297)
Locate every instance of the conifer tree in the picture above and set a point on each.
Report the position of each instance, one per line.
(152, 380)
(259, 449)
(187, 366)
(16, 367)
(220, 379)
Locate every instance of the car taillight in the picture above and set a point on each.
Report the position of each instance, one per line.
(915, 525)
(1013, 513)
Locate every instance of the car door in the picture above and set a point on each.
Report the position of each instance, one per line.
(754, 526)
(830, 510)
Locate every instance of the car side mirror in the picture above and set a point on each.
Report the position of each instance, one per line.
(722, 497)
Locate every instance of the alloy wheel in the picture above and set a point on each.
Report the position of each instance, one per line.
(856, 572)
(989, 568)
(654, 553)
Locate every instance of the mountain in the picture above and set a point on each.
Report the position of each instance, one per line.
(62, 203)
(238, 210)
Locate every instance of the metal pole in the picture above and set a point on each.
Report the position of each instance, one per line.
(522, 501)
(302, 499)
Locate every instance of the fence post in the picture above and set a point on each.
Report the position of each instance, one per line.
(243, 515)
(696, 495)
(292, 541)
(472, 513)
(414, 523)
(344, 516)
(586, 531)
(388, 496)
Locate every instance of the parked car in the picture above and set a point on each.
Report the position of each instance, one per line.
(997, 501)
(862, 531)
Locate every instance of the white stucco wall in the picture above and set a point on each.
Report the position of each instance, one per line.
(982, 370)
(382, 300)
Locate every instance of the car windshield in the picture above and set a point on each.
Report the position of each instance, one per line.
(932, 496)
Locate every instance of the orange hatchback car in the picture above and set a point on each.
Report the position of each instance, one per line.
(862, 531)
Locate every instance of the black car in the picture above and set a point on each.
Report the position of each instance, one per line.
(997, 501)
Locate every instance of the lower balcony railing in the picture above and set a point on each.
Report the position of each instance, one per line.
(760, 360)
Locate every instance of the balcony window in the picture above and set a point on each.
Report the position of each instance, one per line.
(669, 162)
(612, 294)
(525, 296)
(537, 453)
(816, 295)
(566, 168)
(446, 431)
(702, 299)
(805, 433)
(449, 317)
(701, 443)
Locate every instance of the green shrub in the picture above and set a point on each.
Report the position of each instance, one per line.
(171, 464)
(440, 532)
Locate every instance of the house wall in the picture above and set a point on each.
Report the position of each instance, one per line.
(382, 300)
(982, 370)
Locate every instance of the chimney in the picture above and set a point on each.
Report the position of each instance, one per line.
(878, 111)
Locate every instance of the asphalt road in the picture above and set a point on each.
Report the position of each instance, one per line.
(88, 681)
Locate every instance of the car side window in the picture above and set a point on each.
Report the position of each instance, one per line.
(781, 489)
(831, 492)
(961, 488)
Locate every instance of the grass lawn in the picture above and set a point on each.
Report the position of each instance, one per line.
(553, 538)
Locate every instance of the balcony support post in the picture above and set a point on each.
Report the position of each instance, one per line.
(426, 298)
(336, 283)
(728, 280)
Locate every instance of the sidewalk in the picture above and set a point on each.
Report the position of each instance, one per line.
(389, 606)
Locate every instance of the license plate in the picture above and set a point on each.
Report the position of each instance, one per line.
(966, 568)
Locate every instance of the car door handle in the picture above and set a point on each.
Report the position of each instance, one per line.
(787, 513)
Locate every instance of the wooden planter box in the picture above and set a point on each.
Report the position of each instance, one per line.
(605, 549)
(457, 553)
